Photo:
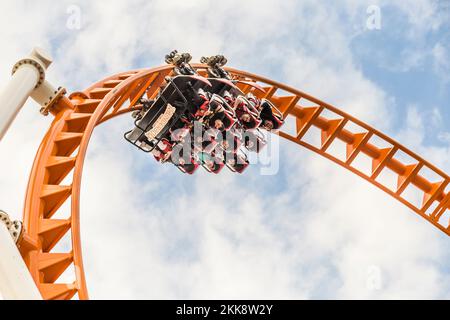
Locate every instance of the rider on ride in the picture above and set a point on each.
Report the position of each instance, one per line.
(212, 162)
(255, 102)
(237, 162)
(201, 104)
(214, 117)
(163, 151)
(229, 98)
(269, 121)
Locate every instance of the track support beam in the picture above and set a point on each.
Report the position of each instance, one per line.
(28, 80)
(16, 282)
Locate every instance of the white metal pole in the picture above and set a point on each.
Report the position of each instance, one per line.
(16, 282)
(28, 76)
(15, 94)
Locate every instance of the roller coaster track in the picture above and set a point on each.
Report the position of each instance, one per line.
(55, 180)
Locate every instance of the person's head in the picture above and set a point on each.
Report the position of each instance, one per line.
(231, 162)
(218, 124)
(225, 144)
(210, 164)
(246, 118)
(268, 125)
(214, 105)
(250, 143)
(199, 139)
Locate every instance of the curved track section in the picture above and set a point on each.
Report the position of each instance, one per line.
(52, 205)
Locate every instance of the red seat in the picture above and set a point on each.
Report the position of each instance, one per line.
(240, 164)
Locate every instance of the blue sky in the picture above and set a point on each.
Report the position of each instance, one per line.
(310, 231)
(383, 57)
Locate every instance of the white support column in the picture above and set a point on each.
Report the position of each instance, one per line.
(28, 77)
(16, 282)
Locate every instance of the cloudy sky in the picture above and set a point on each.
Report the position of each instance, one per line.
(313, 230)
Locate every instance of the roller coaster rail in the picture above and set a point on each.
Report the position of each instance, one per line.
(62, 153)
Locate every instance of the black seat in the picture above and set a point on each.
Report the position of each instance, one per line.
(173, 103)
(268, 112)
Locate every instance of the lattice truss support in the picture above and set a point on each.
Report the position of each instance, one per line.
(51, 245)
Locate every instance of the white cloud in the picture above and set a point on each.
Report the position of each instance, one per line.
(441, 61)
(312, 232)
(422, 15)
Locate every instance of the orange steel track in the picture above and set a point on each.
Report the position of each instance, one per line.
(62, 153)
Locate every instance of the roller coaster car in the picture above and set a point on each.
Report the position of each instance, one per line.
(254, 141)
(244, 109)
(250, 84)
(206, 142)
(189, 167)
(166, 111)
(237, 162)
(268, 112)
(229, 118)
(251, 107)
(219, 86)
(186, 163)
(231, 141)
(211, 162)
(163, 151)
(179, 134)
